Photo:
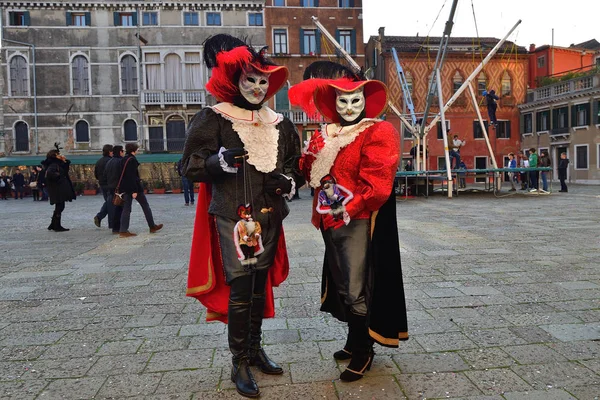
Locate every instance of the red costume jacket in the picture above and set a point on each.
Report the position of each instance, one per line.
(366, 166)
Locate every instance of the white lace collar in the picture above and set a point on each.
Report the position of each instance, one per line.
(336, 138)
(233, 113)
(257, 130)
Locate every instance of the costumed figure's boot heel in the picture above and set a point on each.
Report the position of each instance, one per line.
(243, 379)
(359, 364)
(362, 352)
(256, 353)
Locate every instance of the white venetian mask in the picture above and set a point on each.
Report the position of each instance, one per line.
(253, 86)
(350, 105)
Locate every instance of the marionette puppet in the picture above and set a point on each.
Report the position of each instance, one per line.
(246, 157)
(355, 157)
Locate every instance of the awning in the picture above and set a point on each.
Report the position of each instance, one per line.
(86, 159)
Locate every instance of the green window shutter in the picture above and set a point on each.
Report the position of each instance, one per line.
(508, 129)
(69, 18)
(26, 18)
(587, 113)
(573, 115)
(117, 18)
(316, 3)
(475, 129)
(301, 41)
(353, 41)
(135, 18)
(318, 40)
(11, 18)
(596, 113)
(352, 3)
(522, 123)
(337, 35)
(88, 19)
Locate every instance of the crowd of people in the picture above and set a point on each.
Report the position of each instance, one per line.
(17, 185)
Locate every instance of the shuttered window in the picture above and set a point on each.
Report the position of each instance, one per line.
(21, 136)
(130, 130)
(19, 78)
(129, 79)
(80, 79)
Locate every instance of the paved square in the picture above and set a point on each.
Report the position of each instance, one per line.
(503, 302)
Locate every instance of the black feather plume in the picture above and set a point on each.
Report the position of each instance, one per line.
(331, 70)
(215, 44)
(57, 146)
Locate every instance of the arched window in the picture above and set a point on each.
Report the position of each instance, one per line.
(130, 130)
(173, 78)
(21, 136)
(282, 103)
(129, 78)
(82, 132)
(409, 81)
(80, 79)
(457, 81)
(19, 78)
(506, 84)
(481, 83)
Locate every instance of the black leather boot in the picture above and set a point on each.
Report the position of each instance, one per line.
(256, 354)
(346, 352)
(238, 331)
(53, 222)
(362, 355)
(57, 226)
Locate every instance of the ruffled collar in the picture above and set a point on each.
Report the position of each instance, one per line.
(233, 113)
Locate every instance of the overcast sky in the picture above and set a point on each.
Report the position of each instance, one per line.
(574, 21)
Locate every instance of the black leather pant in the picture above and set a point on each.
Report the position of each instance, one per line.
(245, 312)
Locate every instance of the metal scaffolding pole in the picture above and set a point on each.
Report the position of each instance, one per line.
(444, 133)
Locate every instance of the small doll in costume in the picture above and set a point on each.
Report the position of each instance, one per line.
(331, 200)
(247, 237)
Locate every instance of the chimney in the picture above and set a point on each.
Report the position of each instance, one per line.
(381, 32)
(532, 47)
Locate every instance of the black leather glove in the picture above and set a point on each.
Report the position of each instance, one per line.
(234, 157)
(277, 184)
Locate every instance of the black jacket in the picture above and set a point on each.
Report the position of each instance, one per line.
(131, 182)
(58, 183)
(491, 99)
(18, 180)
(99, 170)
(563, 164)
(112, 172)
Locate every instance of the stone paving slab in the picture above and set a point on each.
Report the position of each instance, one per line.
(496, 310)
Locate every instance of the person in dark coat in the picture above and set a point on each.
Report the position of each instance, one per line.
(33, 184)
(187, 185)
(112, 173)
(60, 187)
(4, 185)
(492, 106)
(42, 182)
(131, 185)
(19, 181)
(563, 164)
(107, 153)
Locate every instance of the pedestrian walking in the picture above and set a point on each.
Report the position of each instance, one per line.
(563, 164)
(33, 184)
(241, 143)
(534, 176)
(107, 153)
(42, 182)
(4, 185)
(186, 184)
(18, 181)
(60, 187)
(131, 186)
(544, 162)
(112, 173)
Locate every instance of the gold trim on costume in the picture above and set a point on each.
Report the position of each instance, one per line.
(324, 294)
(373, 218)
(388, 341)
(213, 315)
(206, 286)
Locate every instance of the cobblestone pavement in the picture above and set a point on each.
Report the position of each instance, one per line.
(503, 298)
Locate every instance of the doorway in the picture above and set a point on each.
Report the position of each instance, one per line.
(156, 141)
(481, 163)
(175, 133)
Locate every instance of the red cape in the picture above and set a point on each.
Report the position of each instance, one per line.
(206, 280)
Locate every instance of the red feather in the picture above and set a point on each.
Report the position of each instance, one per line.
(221, 83)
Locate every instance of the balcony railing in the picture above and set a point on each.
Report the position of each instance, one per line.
(559, 131)
(173, 97)
(300, 117)
(564, 88)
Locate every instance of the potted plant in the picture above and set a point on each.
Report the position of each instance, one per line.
(159, 187)
(79, 186)
(90, 188)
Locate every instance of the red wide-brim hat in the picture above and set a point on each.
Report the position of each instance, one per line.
(375, 93)
(231, 63)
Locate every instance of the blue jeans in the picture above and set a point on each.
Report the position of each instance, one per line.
(456, 156)
(104, 209)
(141, 199)
(544, 181)
(188, 189)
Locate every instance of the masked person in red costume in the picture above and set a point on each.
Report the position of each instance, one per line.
(246, 157)
(358, 154)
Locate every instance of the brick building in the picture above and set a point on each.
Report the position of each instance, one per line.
(294, 41)
(554, 61)
(506, 73)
